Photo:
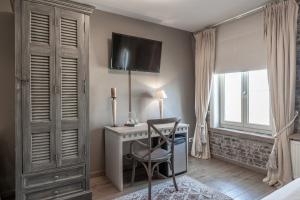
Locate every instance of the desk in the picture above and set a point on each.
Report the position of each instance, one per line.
(116, 136)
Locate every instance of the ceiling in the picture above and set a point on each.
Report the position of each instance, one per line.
(189, 15)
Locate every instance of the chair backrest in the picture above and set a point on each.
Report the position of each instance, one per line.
(163, 139)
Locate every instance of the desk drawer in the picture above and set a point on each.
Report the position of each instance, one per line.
(56, 192)
(41, 179)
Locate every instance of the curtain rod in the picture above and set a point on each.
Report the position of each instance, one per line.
(255, 10)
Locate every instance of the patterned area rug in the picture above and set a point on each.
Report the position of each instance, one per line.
(188, 189)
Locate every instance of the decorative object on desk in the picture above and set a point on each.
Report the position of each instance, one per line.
(132, 120)
(161, 95)
(114, 105)
(189, 188)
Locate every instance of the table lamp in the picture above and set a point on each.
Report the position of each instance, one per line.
(161, 95)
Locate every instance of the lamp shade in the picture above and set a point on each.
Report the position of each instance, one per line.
(161, 94)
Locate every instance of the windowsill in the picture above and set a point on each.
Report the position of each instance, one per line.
(244, 134)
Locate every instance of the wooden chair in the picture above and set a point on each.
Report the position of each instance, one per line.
(151, 156)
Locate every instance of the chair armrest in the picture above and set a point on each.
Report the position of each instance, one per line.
(137, 142)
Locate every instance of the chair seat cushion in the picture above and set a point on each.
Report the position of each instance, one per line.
(157, 155)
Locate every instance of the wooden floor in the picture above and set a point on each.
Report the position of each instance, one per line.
(232, 180)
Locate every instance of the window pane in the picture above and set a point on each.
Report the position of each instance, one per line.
(259, 103)
(232, 97)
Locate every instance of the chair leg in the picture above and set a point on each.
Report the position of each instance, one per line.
(133, 171)
(157, 170)
(149, 181)
(173, 173)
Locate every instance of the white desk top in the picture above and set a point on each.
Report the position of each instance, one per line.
(141, 127)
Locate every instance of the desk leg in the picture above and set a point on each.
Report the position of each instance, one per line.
(114, 159)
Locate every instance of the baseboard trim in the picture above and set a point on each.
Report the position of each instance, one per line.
(252, 168)
(97, 173)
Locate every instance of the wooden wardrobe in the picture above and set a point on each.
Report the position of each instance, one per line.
(51, 63)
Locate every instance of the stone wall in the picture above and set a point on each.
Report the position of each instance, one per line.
(297, 99)
(246, 149)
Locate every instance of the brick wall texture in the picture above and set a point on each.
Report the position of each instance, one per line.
(248, 152)
(297, 98)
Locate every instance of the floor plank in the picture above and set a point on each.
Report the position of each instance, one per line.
(232, 180)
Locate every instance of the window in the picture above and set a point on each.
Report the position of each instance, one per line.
(245, 101)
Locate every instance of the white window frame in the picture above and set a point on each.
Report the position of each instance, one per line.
(244, 125)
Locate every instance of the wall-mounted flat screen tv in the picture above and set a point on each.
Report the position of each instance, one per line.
(135, 53)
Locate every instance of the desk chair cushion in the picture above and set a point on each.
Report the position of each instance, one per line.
(157, 155)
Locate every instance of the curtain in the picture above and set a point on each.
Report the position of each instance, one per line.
(280, 33)
(204, 69)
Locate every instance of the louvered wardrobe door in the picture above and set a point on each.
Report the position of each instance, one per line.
(71, 79)
(38, 75)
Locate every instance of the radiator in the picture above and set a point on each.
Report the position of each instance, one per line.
(295, 151)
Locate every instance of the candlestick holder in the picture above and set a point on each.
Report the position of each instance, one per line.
(114, 110)
(114, 105)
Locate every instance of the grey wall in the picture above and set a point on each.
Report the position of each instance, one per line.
(176, 78)
(7, 97)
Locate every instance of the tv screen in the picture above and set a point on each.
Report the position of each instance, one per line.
(135, 54)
